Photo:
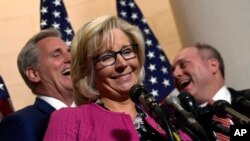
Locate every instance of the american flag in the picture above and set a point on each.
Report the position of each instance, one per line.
(158, 80)
(5, 101)
(53, 14)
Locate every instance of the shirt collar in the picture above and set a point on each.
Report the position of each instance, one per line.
(57, 104)
(223, 94)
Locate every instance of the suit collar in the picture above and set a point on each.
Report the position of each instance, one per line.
(236, 93)
(44, 106)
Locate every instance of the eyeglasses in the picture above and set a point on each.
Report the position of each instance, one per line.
(109, 58)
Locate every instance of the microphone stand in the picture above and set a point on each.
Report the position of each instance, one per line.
(159, 115)
(222, 107)
(191, 134)
(140, 96)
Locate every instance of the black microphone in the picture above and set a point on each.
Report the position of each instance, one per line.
(242, 104)
(222, 108)
(201, 113)
(188, 102)
(204, 115)
(188, 117)
(140, 95)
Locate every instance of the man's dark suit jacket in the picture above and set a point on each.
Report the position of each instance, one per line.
(27, 124)
(235, 94)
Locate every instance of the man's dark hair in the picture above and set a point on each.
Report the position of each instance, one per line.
(213, 53)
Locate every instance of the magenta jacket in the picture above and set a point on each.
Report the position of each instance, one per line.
(90, 122)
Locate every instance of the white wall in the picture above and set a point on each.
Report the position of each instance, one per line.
(224, 24)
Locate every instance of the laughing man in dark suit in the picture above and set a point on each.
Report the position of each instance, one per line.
(44, 64)
(199, 70)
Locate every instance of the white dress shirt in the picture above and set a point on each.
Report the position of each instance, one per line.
(222, 94)
(57, 104)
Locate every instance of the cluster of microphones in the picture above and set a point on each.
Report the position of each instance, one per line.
(196, 121)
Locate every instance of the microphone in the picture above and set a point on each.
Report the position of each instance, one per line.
(188, 117)
(242, 104)
(188, 102)
(222, 108)
(203, 115)
(140, 95)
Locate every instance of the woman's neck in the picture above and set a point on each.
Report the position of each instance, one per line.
(126, 106)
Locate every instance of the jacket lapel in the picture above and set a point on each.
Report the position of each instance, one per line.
(43, 106)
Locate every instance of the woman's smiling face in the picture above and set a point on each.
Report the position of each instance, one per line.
(117, 79)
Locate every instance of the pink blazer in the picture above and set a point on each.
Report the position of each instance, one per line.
(90, 122)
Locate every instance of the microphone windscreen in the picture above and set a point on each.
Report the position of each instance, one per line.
(136, 92)
(242, 105)
(219, 107)
(187, 101)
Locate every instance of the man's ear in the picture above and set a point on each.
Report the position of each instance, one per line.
(214, 65)
(32, 74)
